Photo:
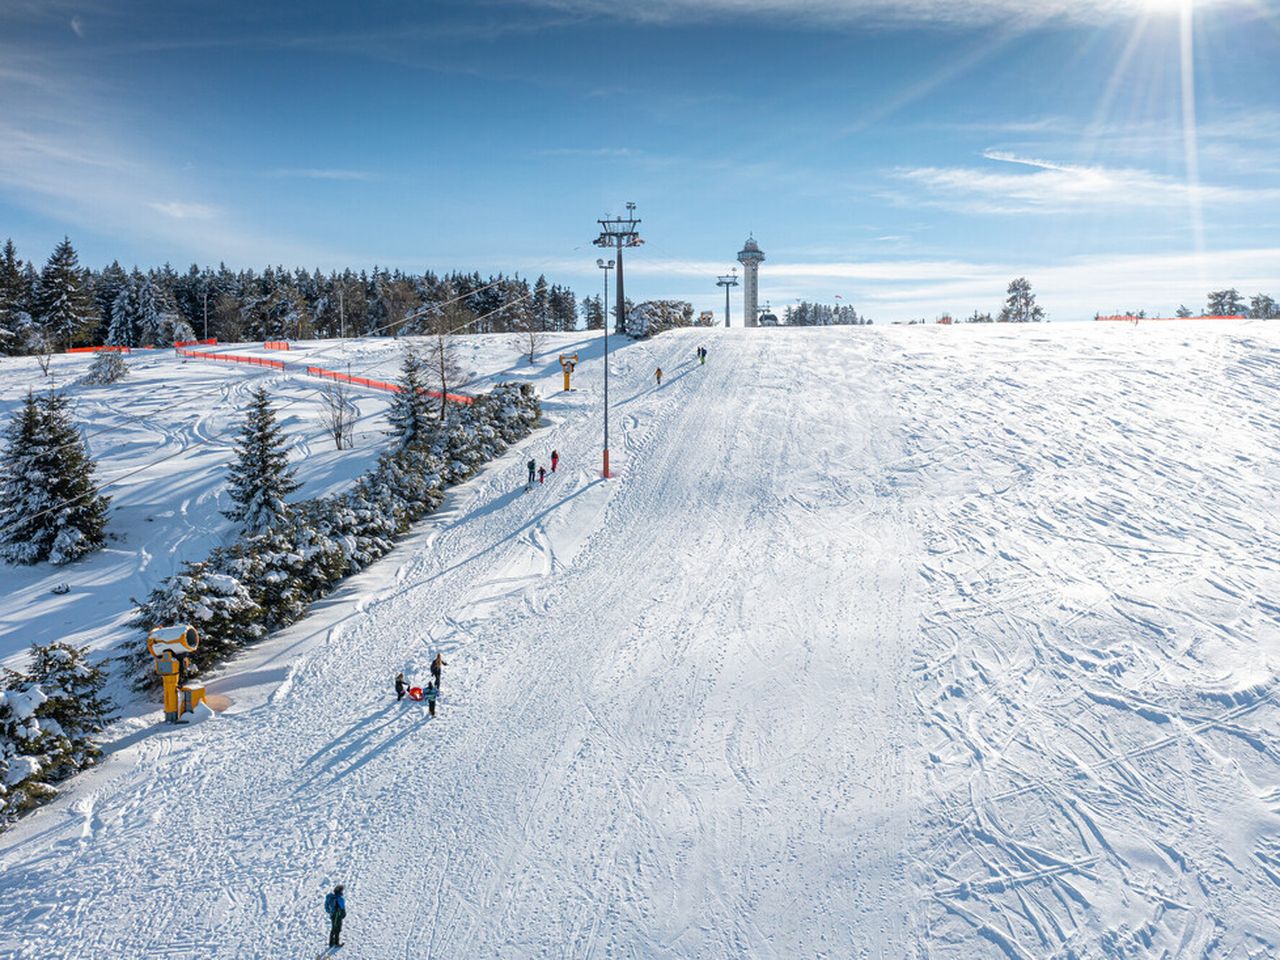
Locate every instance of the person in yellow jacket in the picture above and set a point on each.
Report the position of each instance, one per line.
(659, 376)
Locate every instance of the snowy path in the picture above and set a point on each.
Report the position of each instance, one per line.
(934, 643)
(672, 721)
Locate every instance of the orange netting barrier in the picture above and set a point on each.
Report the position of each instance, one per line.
(196, 343)
(382, 384)
(97, 350)
(231, 358)
(1126, 318)
(276, 345)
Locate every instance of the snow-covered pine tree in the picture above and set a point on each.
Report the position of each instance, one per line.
(152, 330)
(1226, 303)
(22, 759)
(74, 710)
(1021, 306)
(218, 605)
(1183, 312)
(1263, 307)
(123, 331)
(64, 306)
(15, 318)
(593, 313)
(409, 414)
(50, 507)
(106, 287)
(107, 367)
(260, 478)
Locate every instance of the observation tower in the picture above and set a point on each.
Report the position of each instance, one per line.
(751, 256)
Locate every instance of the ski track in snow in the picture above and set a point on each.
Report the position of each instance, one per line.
(910, 642)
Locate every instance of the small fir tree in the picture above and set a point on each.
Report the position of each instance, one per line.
(50, 507)
(107, 367)
(74, 710)
(261, 477)
(123, 331)
(409, 414)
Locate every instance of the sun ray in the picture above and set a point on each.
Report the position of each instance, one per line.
(1190, 131)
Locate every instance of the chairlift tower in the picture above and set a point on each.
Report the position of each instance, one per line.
(751, 256)
(728, 282)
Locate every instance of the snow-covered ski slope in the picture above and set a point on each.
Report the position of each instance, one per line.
(932, 642)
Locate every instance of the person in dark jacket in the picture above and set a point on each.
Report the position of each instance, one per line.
(533, 467)
(430, 694)
(400, 687)
(335, 904)
(555, 460)
(437, 667)
(542, 474)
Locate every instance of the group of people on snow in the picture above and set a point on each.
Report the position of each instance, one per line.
(541, 472)
(431, 692)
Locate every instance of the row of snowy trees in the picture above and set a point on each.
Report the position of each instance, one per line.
(806, 314)
(65, 304)
(50, 715)
(290, 554)
(651, 317)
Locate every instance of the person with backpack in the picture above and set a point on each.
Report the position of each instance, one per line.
(659, 376)
(400, 687)
(555, 460)
(533, 467)
(430, 694)
(437, 667)
(542, 474)
(335, 905)
(702, 356)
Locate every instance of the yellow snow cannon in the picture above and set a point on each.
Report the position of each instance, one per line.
(167, 644)
(567, 364)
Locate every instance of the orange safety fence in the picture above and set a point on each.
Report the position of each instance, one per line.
(1128, 318)
(382, 384)
(231, 358)
(276, 345)
(212, 341)
(97, 350)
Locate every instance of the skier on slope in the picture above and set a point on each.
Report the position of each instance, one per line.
(437, 666)
(555, 460)
(335, 905)
(542, 474)
(400, 687)
(702, 356)
(533, 467)
(659, 376)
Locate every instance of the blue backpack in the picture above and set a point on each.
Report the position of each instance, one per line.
(329, 904)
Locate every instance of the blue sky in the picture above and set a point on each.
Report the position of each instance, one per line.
(911, 156)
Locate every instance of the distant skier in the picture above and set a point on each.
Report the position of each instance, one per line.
(659, 376)
(702, 356)
(430, 694)
(400, 687)
(335, 905)
(555, 460)
(533, 467)
(542, 474)
(437, 667)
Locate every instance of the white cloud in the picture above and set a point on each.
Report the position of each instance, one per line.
(320, 173)
(1027, 12)
(1061, 188)
(185, 211)
(77, 26)
(1073, 288)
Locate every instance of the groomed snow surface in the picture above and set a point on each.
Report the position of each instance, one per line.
(932, 642)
